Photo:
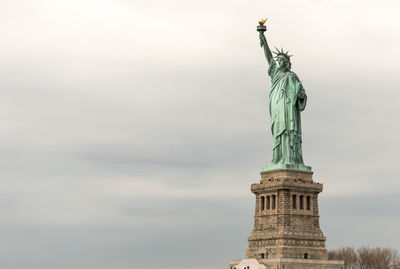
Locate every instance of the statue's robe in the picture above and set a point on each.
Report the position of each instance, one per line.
(286, 99)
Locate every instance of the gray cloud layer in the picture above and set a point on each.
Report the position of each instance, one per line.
(131, 131)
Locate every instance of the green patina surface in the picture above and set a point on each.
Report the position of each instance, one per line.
(287, 98)
(298, 167)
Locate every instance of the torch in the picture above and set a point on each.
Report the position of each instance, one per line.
(261, 29)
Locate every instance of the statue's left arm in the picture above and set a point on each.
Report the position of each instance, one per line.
(300, 97)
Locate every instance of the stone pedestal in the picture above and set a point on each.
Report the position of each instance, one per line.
(286, 233)
(286, 221)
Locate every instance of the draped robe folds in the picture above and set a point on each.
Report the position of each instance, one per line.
(286, 99)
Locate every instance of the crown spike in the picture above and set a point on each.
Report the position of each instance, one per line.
(281, 52)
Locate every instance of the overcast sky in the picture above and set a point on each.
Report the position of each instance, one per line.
(130, 131)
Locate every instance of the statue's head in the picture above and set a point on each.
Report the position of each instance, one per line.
(283, 58)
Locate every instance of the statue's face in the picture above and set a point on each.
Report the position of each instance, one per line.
(284, 63)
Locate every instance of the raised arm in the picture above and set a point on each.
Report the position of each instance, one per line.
(267, 51)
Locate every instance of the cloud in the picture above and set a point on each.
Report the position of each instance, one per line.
(130, 132)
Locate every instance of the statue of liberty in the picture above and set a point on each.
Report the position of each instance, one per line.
(287, 98)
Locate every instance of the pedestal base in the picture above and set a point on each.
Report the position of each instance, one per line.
(302, 264)
(284, 263)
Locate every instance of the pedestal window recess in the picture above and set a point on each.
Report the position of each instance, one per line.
(308, 201)
(262, 203)
(301, 202)
(294, 201)
(268, 202)
(273, 201)
(262, 256)
(305, 255)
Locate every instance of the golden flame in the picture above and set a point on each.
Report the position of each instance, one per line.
(262, 21)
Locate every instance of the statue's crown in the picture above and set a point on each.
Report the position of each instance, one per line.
(281, 53)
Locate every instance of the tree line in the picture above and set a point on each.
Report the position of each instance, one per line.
(366, 257)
